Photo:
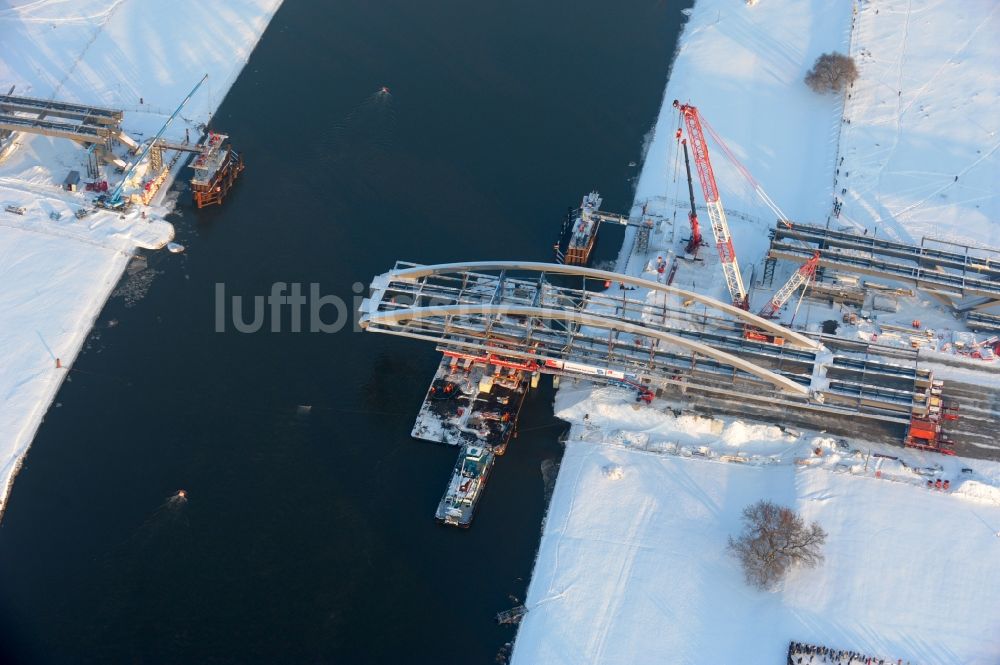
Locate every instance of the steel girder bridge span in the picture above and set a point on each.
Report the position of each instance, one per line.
(633, 331)
(87, 125)
(943, 269)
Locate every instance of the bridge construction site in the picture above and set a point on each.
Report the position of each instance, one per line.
(521, 320)
(946, 270)
(90, 125)
(637, 333)
(141, 168)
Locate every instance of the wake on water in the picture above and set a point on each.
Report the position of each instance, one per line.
(355, 145)
(167, 518)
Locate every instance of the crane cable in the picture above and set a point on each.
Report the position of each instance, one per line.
(768, 201)
(677, 164)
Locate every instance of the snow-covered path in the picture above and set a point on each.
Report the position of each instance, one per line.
(58, 272)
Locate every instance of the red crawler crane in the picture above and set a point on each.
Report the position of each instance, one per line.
(720, 227)
(801, 277)
(716, 213)
(695, 241)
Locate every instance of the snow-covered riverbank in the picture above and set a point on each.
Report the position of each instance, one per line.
(58, 270)
(633, 568)
(632, 565)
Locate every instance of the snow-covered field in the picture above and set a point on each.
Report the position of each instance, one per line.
(632, 565)
(920, 150)
(634, 569)
(57, 273)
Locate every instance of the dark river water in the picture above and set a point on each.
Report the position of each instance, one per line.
(309, 537)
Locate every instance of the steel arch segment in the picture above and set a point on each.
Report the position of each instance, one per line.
(790, 336)
(398, 315)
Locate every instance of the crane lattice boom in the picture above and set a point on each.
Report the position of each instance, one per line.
(695, 241)
(716, 213)
(781, 296)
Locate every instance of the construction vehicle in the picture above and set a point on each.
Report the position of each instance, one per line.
(925, 434)
(643, 394)
(800, 277)
(759, 335)
(695, 241)
(986, 349)
(716, 213)
(693, 121)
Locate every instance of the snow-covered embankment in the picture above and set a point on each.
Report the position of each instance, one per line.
(57, 271)
(632, 566)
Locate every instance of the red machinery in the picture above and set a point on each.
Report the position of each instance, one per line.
(720, 227)
(800, 278)
(925, 434)
(695, 241)
(716, 213)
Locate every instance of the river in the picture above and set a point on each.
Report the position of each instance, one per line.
(307, 534)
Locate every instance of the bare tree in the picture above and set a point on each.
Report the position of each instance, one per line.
(832, 72)
(774, 539)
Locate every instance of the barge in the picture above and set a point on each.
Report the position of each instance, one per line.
(216, 170)
(473, 402)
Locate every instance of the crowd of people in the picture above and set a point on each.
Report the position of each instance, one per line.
(806, 654)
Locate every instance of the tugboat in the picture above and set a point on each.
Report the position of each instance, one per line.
(458, 505)
(579, 232)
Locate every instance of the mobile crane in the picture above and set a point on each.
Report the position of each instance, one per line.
(695, 241)
(800, 277)
(716, 213)
(720, 226)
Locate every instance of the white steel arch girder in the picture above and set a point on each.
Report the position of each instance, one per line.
(396, 316)
(790, 336)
